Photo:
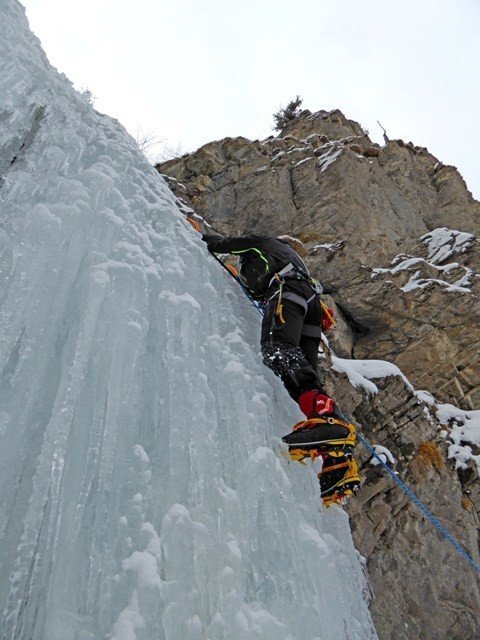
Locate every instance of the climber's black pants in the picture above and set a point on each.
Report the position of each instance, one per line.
(291, 349)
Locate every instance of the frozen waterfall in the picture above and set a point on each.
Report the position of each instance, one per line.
(142, 491)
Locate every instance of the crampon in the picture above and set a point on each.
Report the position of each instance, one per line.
(310, 438)
(339, 479)
(333, 440)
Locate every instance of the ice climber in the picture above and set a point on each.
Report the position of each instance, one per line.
(275, 274)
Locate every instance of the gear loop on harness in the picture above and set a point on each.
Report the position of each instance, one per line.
(290, 272)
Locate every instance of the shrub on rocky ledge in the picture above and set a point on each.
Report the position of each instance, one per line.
(287, 114)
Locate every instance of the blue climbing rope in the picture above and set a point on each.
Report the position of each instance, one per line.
(435, 521)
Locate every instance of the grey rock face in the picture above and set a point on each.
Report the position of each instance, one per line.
(392, 234)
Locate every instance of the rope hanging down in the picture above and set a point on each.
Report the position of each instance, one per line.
(435, 521)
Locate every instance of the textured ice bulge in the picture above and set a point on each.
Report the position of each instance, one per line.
(143, 494)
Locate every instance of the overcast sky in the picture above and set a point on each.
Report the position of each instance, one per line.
(192, 71)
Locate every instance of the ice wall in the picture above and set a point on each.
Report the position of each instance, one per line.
(142, 492)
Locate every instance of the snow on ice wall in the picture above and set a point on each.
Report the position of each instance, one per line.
(142, 494)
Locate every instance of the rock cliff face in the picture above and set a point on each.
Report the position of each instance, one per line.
(391, 233)
(360, 208)
(422, 587)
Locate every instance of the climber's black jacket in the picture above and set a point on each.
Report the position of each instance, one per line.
(290, 342)
(261, 257)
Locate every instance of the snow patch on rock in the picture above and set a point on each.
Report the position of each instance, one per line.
(361, 372)
(443, 243)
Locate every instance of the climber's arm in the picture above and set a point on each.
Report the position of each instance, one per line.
(220, 244)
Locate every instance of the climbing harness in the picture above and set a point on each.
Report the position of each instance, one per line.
(292, 272)
(420, 505)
